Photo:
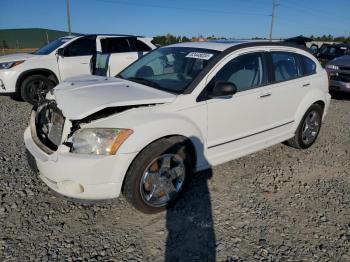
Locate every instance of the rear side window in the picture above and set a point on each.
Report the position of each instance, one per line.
(309, 66)
(115, 45)
(81, 47)
(245, 71)
(138, 46)
(285, 65)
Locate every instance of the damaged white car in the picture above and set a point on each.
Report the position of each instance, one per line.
(180, 109)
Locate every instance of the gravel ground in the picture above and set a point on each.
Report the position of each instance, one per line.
(279, 204)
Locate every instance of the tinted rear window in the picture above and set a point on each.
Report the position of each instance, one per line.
(115, 45)
(138, 46)
(309, 66)
(286, 66)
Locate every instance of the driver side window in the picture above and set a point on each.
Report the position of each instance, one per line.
(81, 47)
(245, 72)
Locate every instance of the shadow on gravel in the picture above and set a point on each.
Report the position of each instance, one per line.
(340, 95)
(190, 224)
(13, 97)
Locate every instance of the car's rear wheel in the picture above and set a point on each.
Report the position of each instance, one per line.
(34, 88)
(308, 128)
(158, 175)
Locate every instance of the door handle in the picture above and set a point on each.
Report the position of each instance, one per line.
(265, 95)
(85, 63)
(305, 85)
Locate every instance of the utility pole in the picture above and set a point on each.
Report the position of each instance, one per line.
(68, 17)
(272, 18)
(47, 37)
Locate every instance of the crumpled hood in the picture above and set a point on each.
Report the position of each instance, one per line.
(341, 61)
(16, 57)
(79, 97)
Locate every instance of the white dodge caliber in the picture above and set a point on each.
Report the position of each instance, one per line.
(178, 110)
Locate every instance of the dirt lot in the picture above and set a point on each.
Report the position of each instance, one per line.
(279, 204)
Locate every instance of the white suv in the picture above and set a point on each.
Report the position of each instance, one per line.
(30, 76)
(177, 110)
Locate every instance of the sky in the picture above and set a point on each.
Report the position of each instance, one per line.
(225, 18)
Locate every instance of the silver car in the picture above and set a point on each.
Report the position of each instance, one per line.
(339, 73)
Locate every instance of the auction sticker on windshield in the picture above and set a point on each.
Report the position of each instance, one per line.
(198, 55)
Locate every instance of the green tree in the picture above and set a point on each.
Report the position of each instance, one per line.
(4, 44)
(159, 40)
(185, 39)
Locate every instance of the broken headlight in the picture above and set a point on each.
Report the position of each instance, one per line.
(98, 141)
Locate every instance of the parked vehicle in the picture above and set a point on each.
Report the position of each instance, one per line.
(339, 73)
(177, 110)
(31, 76)
(333, 51)
(299, 40)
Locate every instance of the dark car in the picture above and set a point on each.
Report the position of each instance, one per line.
(299, 40)
(333, 51)
(339, 73)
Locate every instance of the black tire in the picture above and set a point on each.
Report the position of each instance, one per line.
(132, 183)
(35, 87)
(299, 141)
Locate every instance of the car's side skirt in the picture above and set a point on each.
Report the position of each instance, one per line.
(249, 144)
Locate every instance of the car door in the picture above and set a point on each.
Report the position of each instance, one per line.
(246, 121)
(76, 57)
(233, 118)
(119, 52)
(288, 86)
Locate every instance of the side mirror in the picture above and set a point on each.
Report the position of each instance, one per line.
(60, 52)
(222, 89)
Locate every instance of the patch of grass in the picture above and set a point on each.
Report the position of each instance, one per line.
(7, 51)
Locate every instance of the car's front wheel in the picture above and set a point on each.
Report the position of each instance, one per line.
(158, 175)
(34, 88)
(308, 128)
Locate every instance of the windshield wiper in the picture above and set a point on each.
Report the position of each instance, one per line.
(144, 81)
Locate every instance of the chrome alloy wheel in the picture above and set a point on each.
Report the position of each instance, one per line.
(311, 127)
(162, 180)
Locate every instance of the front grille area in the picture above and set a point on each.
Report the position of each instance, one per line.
(49, 123)
(341, 77)
(346, 68)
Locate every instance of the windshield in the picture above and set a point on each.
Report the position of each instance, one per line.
(47, 49)
(170, 68)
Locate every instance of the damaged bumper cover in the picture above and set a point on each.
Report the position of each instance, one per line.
(88, 177)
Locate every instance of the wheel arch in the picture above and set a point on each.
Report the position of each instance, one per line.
(321, 103)
(38, 71)
(312, 98)
(175, 138)
(193, 143)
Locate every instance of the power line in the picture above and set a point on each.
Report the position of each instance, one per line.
(138, 4)
(309, 25)
(312, 12)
